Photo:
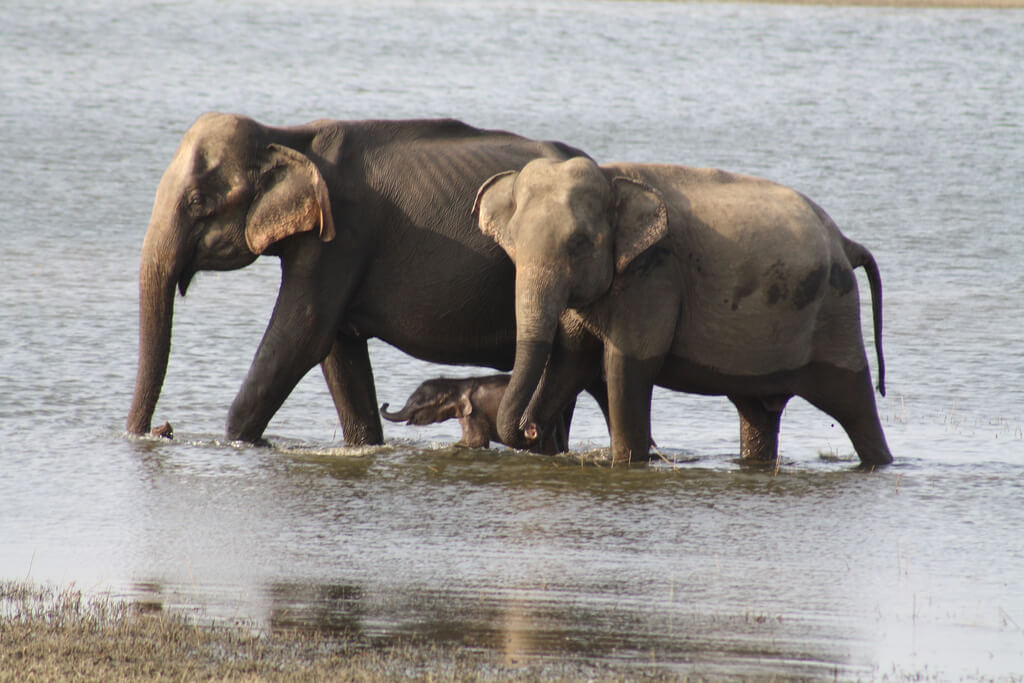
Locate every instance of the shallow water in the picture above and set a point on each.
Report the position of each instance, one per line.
(904, 124)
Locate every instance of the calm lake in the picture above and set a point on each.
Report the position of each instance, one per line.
(906, 125)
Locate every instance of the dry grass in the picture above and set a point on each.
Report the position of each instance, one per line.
(49, 634)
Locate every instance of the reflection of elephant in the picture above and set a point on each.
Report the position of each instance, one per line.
(473, 400)
(694, 279)
(372, 223)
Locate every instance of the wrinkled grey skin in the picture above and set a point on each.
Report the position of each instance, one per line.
(694, 279)
(372, 223)
(473, 401)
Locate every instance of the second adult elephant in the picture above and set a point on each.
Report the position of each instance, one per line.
(371, 222)
(694, 279)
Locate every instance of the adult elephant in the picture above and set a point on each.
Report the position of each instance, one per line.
(372, 223)
(694, 279)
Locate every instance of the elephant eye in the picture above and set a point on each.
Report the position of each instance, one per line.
(199, 205)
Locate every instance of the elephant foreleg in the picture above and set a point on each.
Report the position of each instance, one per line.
(349, 378)
(630, 384)
(759, 426)
(278, 366)
(573, 366)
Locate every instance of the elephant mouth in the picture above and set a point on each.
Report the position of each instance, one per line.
(185, 279)
(186, 268)
(419, 418)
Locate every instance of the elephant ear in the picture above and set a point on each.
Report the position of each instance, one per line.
(465, 405)
(291, 198)
(494, 207)
(641, 219)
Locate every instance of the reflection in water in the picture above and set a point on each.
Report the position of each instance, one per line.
(704, 567)
(527, 624)
(324, 608)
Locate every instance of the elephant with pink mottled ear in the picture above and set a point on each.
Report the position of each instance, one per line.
(372, 223)
(693, 279)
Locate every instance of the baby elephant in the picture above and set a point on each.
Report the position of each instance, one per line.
(473, 400)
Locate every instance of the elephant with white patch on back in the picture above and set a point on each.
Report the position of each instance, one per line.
(696, 280)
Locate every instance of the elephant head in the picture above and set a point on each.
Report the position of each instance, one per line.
(435, 400)
(233, 190)
(569, 228)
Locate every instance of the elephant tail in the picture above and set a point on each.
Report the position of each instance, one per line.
(859, 256)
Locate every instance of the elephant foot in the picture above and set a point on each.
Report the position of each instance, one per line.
(164, 431)
(624, 458)
(363, 435)
(869, 442)
(873, 459)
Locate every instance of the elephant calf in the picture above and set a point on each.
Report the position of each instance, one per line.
(697, 280)
(473, 401)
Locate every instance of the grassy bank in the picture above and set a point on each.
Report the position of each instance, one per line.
(49, 634)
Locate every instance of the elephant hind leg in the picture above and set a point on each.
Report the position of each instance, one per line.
(849, 398)
(349, 377)
(759, 426)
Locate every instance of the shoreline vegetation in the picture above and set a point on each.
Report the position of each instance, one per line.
(60, 634)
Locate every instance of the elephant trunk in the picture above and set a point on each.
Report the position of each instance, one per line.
(158, 275)
(539, 303)
(531, 358)
(397, 415)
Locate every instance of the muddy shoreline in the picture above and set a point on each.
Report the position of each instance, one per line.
(52, 633)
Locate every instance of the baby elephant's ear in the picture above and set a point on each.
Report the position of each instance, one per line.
(641, 219)
(465, 405)
(494, 207)
(291, 197)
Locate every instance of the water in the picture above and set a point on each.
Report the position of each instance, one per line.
(906, 125)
